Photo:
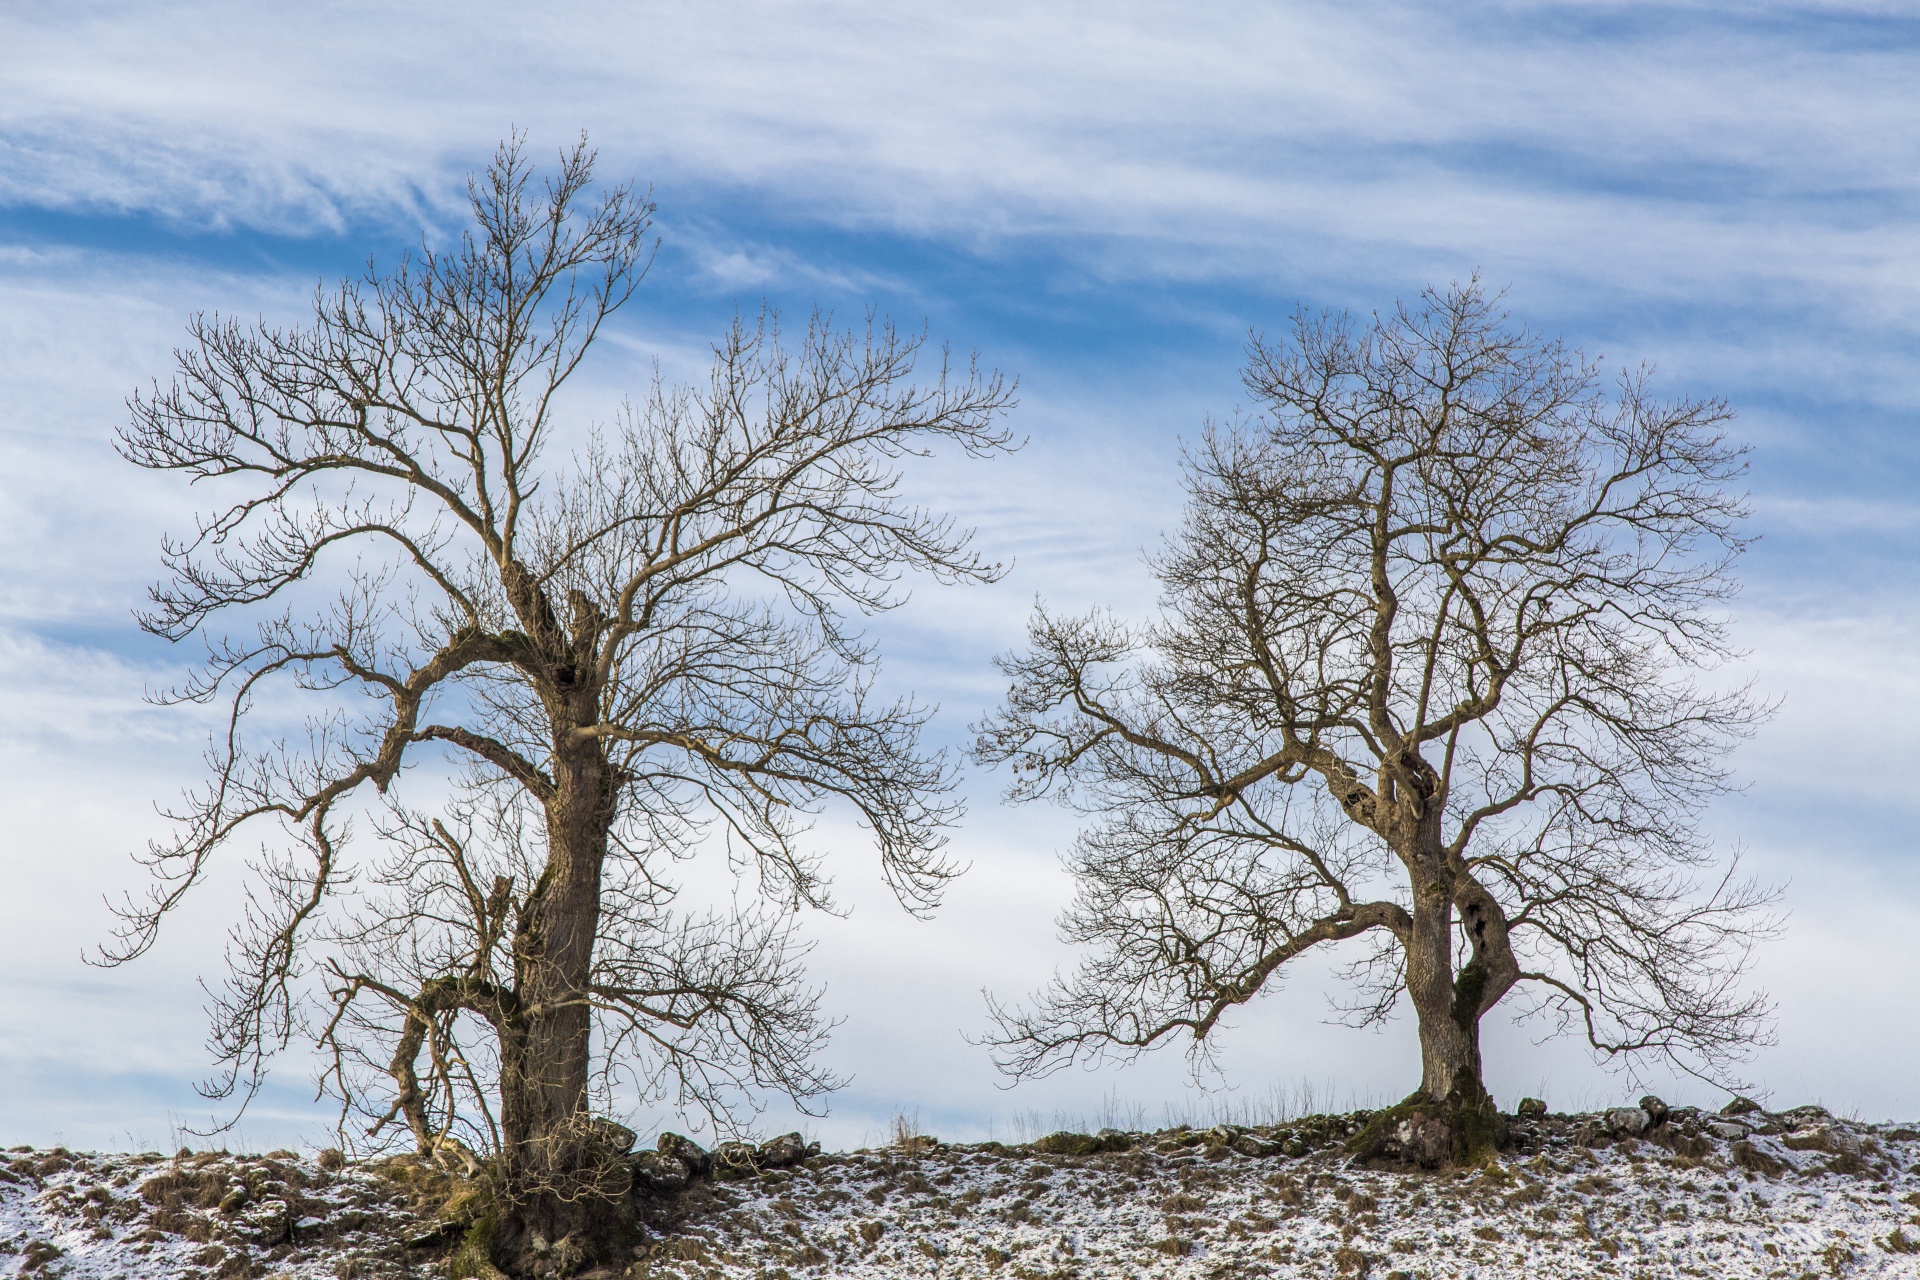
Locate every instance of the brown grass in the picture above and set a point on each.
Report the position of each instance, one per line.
(1350, 1261)
(1748, 1156)
(907, 1138)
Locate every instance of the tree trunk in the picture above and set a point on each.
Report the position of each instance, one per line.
(558, 1188)
(1447, 1004)
(1449, 1119)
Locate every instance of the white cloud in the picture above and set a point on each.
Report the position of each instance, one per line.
(1648, 150)
(1725, 188)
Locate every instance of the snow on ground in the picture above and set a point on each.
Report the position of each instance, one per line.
(210, 1215)
(1790, 1195)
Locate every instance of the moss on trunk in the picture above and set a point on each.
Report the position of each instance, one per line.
(473, 1260)
(1419, 1133)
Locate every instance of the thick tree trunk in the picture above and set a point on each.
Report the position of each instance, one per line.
(558, 1192)
(1447, 1004)
(1449, 1119)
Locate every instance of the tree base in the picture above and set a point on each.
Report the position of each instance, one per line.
(1420, 1133)
(580, 1237)
(473, 1259)
(545, 1236)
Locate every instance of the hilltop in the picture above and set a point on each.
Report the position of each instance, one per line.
(1630, 1192)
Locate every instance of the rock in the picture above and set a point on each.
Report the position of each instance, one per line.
(1416, 1137)
(1421, 1134)
(267, 1222)
(1531, 1108)
(610, 1135)
(733, 1157)
(1727, 1129)
(1627, 1120)
(784, 1151)
(1740, 1107)
(1803, 1117)
(698, 1163)
(1222, 1135)
(1657, 1111)
(1426, 1141)
(234, 1201)
(1068, 1143)
(271, 1211)
(1249, 1145)
(659, 1173)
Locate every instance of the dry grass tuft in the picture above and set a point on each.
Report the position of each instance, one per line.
(1748, 1156)
(907, 1138)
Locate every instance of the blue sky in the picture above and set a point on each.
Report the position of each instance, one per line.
(1100, 199)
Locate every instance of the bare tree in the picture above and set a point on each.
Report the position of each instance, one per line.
(637, 654)
(1427, 677)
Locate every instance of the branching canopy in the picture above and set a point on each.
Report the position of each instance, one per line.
(634, 651)
(1437, 634)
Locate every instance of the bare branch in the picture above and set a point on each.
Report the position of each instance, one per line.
(1438, 632)
(637, 654)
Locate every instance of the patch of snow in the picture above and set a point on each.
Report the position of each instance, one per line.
(1784, 1196)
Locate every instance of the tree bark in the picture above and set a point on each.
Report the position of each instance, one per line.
(553, 1174)
(1450, 1118)
(1447, 1005)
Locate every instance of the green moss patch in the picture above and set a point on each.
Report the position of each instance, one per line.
(1420, 1133)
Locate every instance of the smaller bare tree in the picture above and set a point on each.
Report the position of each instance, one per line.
(1425, 679)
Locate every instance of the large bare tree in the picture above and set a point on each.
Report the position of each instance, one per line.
(636, 654)
(1430, 676)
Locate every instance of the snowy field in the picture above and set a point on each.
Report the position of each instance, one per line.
(1795, 1194)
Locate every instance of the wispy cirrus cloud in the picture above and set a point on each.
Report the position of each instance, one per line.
(1103, 199)
(1685, 136)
